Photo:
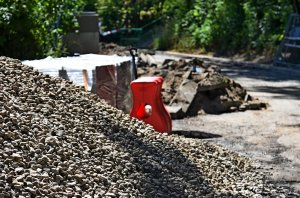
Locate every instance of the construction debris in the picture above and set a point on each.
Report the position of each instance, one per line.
(197, 87)
(192, 87)
(113, 49)
(57, 140)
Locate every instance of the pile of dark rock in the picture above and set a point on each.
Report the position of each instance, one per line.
(192, 87)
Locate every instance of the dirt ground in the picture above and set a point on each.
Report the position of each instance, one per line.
(270, 136)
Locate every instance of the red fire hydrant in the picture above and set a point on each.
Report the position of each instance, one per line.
(148, 105)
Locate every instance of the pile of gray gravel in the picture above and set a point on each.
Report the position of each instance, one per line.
(56, 140)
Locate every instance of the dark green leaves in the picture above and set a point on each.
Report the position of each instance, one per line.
(33, 28)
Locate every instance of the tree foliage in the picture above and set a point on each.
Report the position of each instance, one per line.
(128, 13)
(213, 25)
(33, 28)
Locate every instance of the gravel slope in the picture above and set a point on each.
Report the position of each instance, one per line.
(56, 140)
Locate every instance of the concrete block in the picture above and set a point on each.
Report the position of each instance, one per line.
(88, 22)
(82, 43)
(89, 42)
(175, 112)
(185, 95)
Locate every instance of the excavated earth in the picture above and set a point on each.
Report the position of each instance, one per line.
(198, 86)
(57, 140)
(210, 90)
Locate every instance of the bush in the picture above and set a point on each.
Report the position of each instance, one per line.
(224, 26)
(33, 29)
(233, 25)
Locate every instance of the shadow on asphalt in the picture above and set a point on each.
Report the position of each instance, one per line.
(272, 73)
(292, 125)
(291, 91)
(269, 74)
(196, 134)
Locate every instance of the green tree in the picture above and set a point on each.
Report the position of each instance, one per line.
(34, 28)
(264, 22)
(226, 26)
(128, 13)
